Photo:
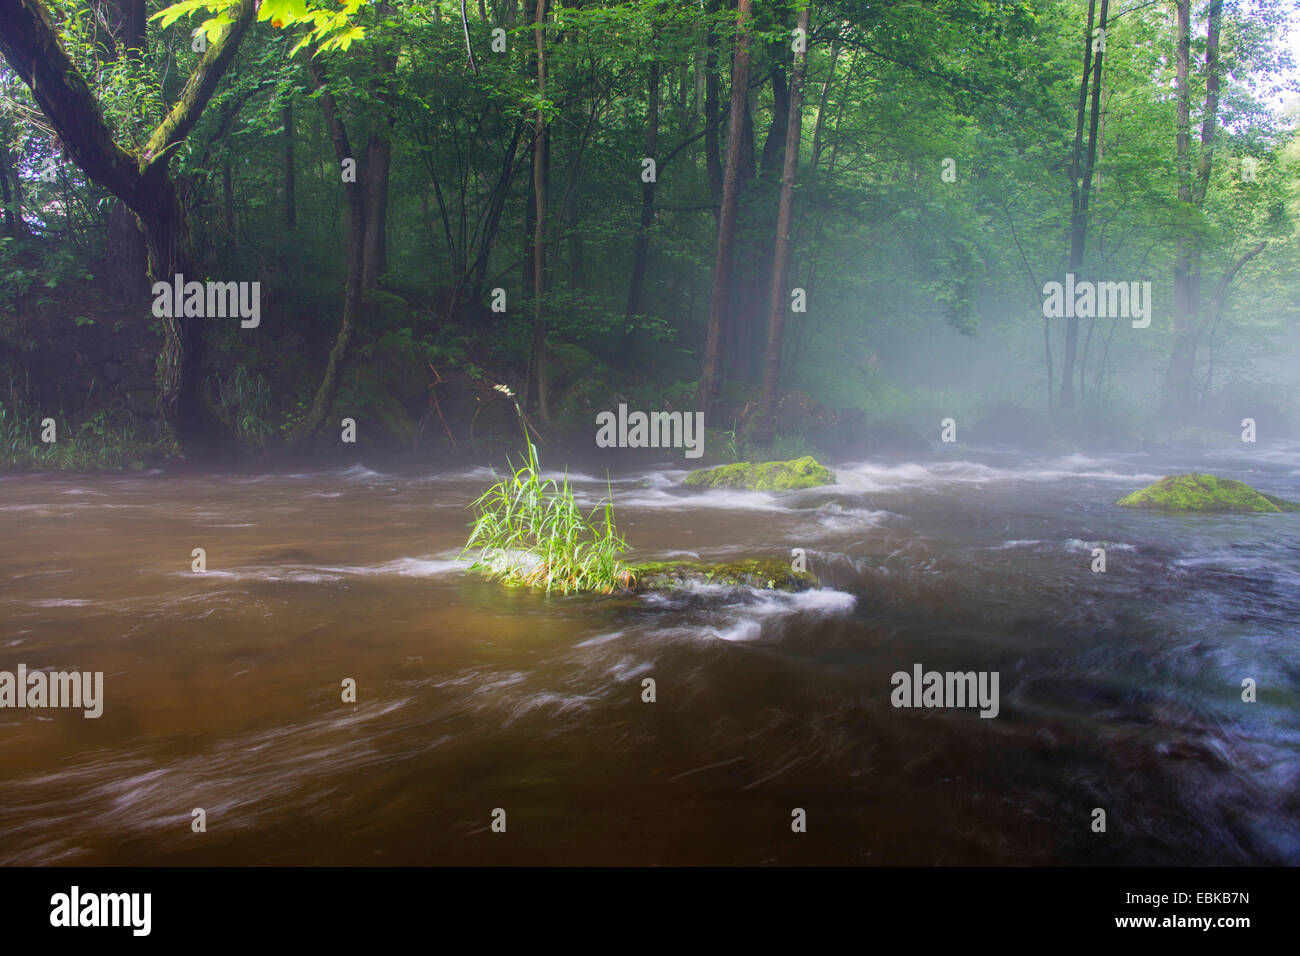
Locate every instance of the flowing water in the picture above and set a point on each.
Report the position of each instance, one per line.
(1120, 691)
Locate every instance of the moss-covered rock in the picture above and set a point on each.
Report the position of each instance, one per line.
(805, 472)
(772, 574)
(1204, 493)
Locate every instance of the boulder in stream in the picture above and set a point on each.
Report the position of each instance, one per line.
(1204, 493)
(805, 472)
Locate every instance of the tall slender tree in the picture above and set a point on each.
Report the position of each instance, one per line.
(642, 248)
(539, 226)
(711, 375)
(779, 300)
(1082, 165)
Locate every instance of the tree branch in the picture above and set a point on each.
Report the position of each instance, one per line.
(31, 45)
(198, 90)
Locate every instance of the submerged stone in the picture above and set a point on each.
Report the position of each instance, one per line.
(805, 472)
(1204, 493)
(772, 574)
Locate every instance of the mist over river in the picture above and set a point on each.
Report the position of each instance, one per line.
(1120, 691)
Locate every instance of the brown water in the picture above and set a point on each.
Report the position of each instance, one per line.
(222, 689)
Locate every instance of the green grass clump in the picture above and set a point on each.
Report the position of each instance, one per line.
(529, 532)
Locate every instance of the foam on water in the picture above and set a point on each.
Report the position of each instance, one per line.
(325, 573)
(871, 477)
(749, 608)
(651, 499)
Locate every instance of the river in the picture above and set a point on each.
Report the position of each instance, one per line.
(222, 690)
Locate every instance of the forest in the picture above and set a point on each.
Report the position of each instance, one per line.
(826, 226)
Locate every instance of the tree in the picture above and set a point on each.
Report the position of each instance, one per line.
(1189, 324)
(780, 293)
(358, 206)
(140, 179)
(710, 378)
(11, 196)
(540, 156)
(642, 248)
(1094, 48)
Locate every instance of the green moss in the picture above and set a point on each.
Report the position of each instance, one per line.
(805, 472)
(1204, 493)
(386, 311)
(773, 574)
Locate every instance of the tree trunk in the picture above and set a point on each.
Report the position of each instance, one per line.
(181, 403)
(15, 226)
(5, 197)
(711, 374)
(374, 183)
(228, 198)
(540, 155)
(1081, 185)
(492, 219)
(742, 349)
(356, 194)
(780, 297)
(816, 153)
(367, 211)
(352, 302)
(776, 133)
(374, 179)
(530, 225)
(290, 188)
(127, 26)
(711, 107)
(1179, 386)
(127, 260)
(748, 168)
(641, 251)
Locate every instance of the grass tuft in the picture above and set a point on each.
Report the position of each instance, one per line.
(528, 531)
